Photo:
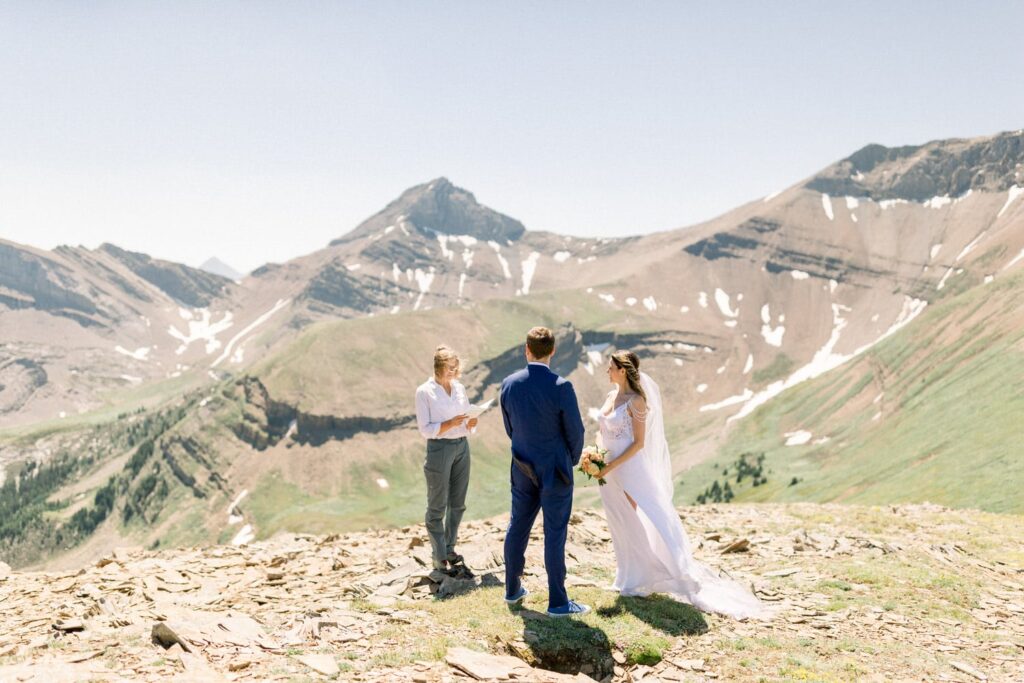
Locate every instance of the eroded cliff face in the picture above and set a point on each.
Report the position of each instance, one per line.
(944, 168)
(28, 280)
(266, 421)
(20, 378)
(190, 286)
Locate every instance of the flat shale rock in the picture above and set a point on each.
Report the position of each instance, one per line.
(324, 664)
(302, 607)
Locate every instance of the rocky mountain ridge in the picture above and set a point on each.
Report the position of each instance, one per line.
(435, 246)
(295, 384)
(941, 168)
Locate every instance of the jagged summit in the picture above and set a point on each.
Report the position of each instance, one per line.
(443, 207)
(935, 169)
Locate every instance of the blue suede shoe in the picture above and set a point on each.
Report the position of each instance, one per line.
(572, 609)
(518, 597)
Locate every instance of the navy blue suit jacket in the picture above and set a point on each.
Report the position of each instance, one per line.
(543, 420)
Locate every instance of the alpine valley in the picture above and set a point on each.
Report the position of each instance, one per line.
(856, 337)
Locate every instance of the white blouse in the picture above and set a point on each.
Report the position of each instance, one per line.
(434, 406)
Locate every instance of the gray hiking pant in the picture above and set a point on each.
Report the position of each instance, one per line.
(446, 469)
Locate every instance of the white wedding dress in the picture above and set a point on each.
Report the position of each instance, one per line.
(652, 551)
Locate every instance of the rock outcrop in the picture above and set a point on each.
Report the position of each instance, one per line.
(943, 168)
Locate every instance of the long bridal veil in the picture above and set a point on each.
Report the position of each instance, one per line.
(655, 444)
(694, 581)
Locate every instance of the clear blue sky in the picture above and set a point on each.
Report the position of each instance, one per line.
(258, 131)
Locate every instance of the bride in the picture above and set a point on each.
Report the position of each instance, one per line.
(652, 551)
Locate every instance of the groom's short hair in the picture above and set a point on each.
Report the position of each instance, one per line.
(541, 342)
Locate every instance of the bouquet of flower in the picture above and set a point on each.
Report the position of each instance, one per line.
(592, 461)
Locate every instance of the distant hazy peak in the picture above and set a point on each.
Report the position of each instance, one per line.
(442, 207)
(217, 267)
(934, 169)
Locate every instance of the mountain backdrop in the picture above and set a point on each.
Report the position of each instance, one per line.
(858, 336)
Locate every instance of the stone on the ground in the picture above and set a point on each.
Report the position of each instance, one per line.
(324, 664)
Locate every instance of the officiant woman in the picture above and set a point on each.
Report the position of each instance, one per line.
(441, 407)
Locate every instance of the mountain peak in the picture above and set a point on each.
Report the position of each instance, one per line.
(217, 267)
(441, 206)
(920, 172)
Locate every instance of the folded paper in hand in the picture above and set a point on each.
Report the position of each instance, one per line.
(475, 411)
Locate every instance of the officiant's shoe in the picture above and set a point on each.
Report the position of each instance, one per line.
(572, 609)
(518, 597)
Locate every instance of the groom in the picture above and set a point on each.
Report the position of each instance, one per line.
(543, 420)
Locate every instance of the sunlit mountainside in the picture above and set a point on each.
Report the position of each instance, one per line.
(861, 329)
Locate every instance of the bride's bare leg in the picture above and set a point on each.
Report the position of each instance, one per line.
(631, 501)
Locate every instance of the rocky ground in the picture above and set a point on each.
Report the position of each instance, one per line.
(895, 593)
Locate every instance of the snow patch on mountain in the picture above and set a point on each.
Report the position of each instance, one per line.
(725, 304)
(889, 203)
(1014, 192)
(424, 279)
(826, 358)
(937, 202)
(501, 259)
(772, 335)
(798, 438)
(202, 328)
(281, 303)
(1014, 261)
(529, 266)
(942, 282)
(970, 247)
(140, 353)
(731, 401)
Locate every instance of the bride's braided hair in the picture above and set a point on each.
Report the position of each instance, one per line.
(627, 360)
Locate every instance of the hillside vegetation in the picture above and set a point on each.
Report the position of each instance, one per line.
(934, 413)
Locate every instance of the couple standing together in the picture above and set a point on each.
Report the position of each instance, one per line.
(542, 418)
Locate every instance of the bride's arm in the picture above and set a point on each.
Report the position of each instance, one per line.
(637, 410)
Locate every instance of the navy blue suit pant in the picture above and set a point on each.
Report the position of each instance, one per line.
(528, 498)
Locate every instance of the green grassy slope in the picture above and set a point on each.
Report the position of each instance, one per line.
(936, 412)
(365, 365)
